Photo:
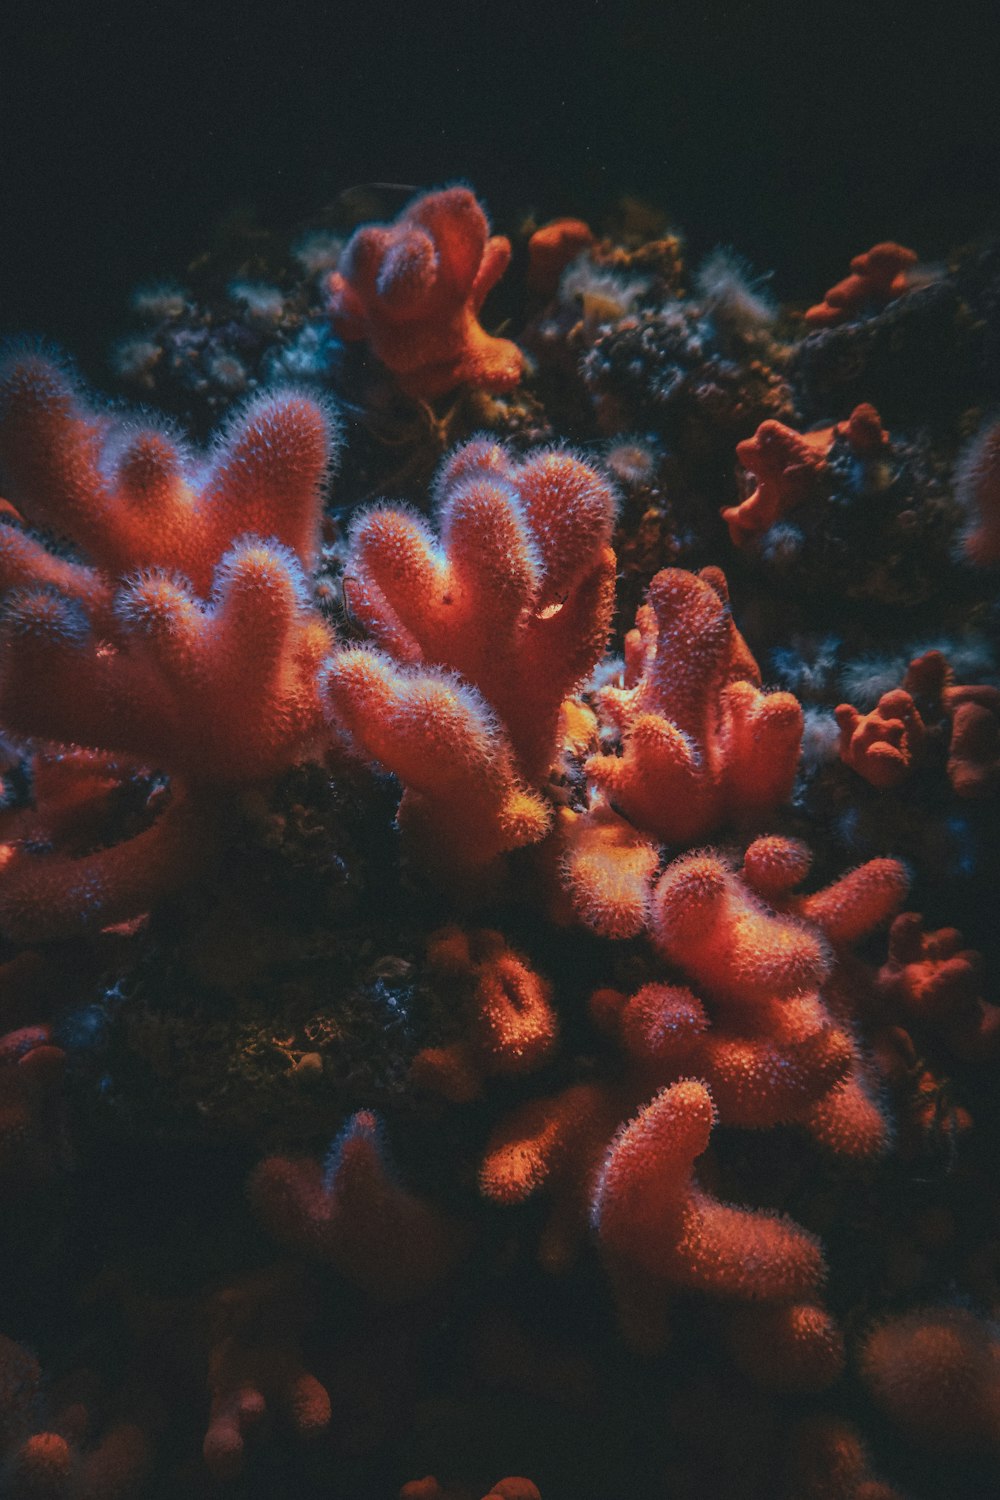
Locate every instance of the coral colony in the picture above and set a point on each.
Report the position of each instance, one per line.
(480, 991)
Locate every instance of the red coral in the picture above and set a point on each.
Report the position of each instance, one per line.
(930, 707)
(930, 979)
(413, 290)
(463, 803)
(350, 1213)
(827, 1460)
(551, 249)
(512, 1027)
(790, 1346)
(512, 1488)
(516, 597)
(881, 746)
(701, 742)
(659, 1231)
(186, 643)
(554, 1146)
(761, 954)
(877, 276)
(789, 467)
(604, 869)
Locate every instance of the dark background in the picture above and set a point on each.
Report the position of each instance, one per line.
(798, 134)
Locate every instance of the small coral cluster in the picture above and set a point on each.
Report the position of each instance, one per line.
(663, 1138)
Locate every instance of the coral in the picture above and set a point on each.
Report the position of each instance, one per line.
(511, 1026)
(764, 957)
(883, 745)
(786, 467)
(351, 1214)
(554, 1145)
(701, 742)
(828, 1461)
(977, 488)
(551, 249)
(186, 643)
(936, 1372)
(605, 866)
(877, 276)
(55, 1443)
(258, 762)
(789, 1346)
(463, 803)
(790, 468)
(413, 291)
(517, 595)
(929, 979)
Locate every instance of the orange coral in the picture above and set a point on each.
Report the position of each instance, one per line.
(551, 249)
(786, 465)
(762, 955)
(186, 643)
(788, 1346)
(930, 978)
(413, 290)
(828, 1461)
(512, 1488)
(605, 866)
(659, 1231)
(517, 596)
(701, 742)
(463, 803)
(877, 276)
(72, 1453)
(511, 1024)
(882, 745)
(789, 467)
(553, 1146)
(31, 1125)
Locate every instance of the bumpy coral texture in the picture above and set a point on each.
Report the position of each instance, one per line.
(510, 1026)
(483, 635)
(767, 964)
(658, 1229)
(413, 290)
(931, 981)
(701, 743)
(185, 642)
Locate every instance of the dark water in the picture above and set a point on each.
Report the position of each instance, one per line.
(795, 132)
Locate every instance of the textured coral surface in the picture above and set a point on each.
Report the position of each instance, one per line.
(498, 968)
